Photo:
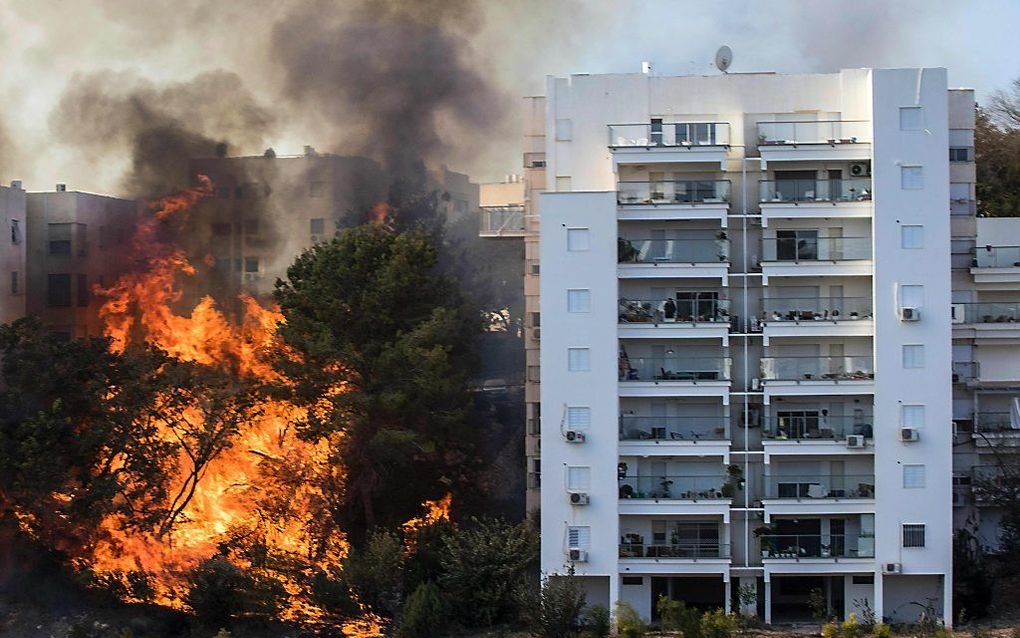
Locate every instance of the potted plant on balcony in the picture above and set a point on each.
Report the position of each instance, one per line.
(766, 536)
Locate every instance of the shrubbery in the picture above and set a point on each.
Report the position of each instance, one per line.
(219, 591)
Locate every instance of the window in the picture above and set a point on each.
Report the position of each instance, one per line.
(536, 269)
(58, 291)
(578, 417)
(579, 537)
(578, 359)
(912, 416)
(579, 300)
(960, 191)
(913, 356)
(563, 183)
(632, 580)
(316, 189)
(911, 237)
(961, 154)
(15, 231)
(564, 130)
(536, 319)
(317, 226)
(14, 283)
(796, 245)
(913, 535)
(578, 478)
(910, 118)
(863, 579)
(221, 230)
(60, 247)
(251, 264)
(911, 296)
(578, 239)
(83, 291)
(913, 477)
(911, 177)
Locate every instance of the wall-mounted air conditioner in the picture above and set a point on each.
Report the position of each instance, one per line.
(860, 170)
(577, 555)
(579, 498)
(573, 436)
(910, 314)
(892, 568)
(909, 435)
(855, 441)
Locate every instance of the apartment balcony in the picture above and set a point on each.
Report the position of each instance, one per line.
(673, 199)
(699, 495)
(816, 141)
(996, 429)
(674, 376)
(813, 198)
(818, 375)
(817, 317)
(986, 320)
(817, 434)
(805, 495)
(669, 317)
(673, 258)
(674, 436)
(966, 371)
(680, 557)
(501, 221)
(673, 142)
(996, 265)
(834, 548)
(801, 256)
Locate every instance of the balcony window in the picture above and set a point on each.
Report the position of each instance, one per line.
(578, 359)
(961, 154)
(251, 264)
(579, 300)
(578, 239)
(796, 245)
(58, 291)
(913, 477)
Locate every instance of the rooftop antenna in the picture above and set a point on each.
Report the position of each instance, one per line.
(723, 58)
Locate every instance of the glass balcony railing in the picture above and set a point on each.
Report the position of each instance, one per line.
(674, 369)
(817, 546)
(669, 310)
(846, 368)
(798, 249)
(991, 312)
(817, 308)
(965, 371)
(681, 550)
(669, 134)
(820, 486)
(675, 251)
(997, 256)
(996, 422)
(673, 487)
(816, 132)
(499, 220)
(672, 428)
(815, 190)
(816, 427)
(674, 192)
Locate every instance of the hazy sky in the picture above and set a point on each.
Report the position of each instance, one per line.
(45, 43)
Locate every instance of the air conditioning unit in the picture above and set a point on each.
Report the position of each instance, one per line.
(860, 170)
(957, 313)
(892, 568)
(577, 555)
(910, 314)
(573, 436)
(579, 498)
(855, 441)
(755, 384)
(909, 435)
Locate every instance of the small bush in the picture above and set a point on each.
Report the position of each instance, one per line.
(597, 621)
(554, 609)
(816, 605)
(218, 590)
(851, 628)
(942, 632)
(424, 613)
(883, 631)
(718, 624)
(629, 623)
(830, 630)
(677, 616)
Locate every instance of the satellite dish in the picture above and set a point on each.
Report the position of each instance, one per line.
(723, 58)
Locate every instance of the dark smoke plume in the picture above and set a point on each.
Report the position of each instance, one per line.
(106, 114)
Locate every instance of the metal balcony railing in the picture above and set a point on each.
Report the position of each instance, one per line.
(673, 192)
(674, 369)
(802, 487)
(817, 309)
(817, 368)
(816, 249)
(816, 427)
(669, 134)
(854, 189)
(814, 132)
(501, 220)
(672, 428)
(676, 251)
(673, 487)
(670, 310)
(675, 550)
(991, 312)
(817, 546)
(997, 256)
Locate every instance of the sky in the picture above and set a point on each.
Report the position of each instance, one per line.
(46, 45)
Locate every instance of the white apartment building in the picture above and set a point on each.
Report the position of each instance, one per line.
(746, 348)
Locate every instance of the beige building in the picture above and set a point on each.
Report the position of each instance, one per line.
(12, 252)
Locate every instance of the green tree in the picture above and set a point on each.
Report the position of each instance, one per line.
(375, 571)
(424, 613)
(552, 609)
(381, 344)
(997, 153)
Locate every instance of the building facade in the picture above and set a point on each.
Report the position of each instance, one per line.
(745, 364)
(12, 252)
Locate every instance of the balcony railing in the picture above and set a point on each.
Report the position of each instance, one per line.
(846, 368)
(855, 189)
(674, 192)
(820, 486)
(817, 546)
(671, 134)
(669, 310)
(690, 488)
(816, 427)
(816, 132)
(997, 256)
(672, 428)
(816, 249)
(676, 251)
(991, 312)
(499, 220)
(817, 308)
(674, 369)
(534, 480)
(965, 371)
(995, 422)
(675, 550)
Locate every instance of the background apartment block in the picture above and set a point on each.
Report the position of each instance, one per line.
(746, 363)
(12, 252)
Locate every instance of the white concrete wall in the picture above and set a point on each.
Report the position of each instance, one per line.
(12, 255)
